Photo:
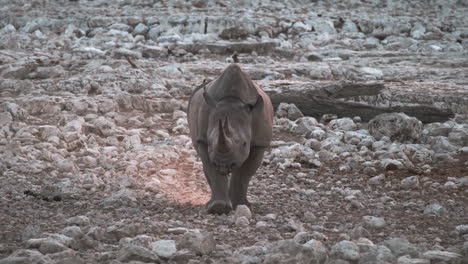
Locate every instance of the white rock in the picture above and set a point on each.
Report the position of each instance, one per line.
(26, 256)
(344, 124)
(401, 246)
(154, 32)
(170, 38)
(435, 47)
(121, 27)
(396, 126)
(242, 221)
(154, 52)
(462, 229)
(349, 26)
(198, 242)
(122, 53)
(164, 248)
(391, 164)
(322, 25)
(435, 209)
(5, 118)
(65, 165)
(141, 29)
(441, 145)
(409, 260)
(364, 244)
(50, 247)
(92, 51)
(374, 222)
(8, 29)
(137, 253)
(345, 250)
(377, 180)
(411, 182)
(439, 255)
(79, 220)
(289, 111)
(72, 231)
(375, 73)
(261, 225)
(243, 211)
(301, 27)
(418, 31)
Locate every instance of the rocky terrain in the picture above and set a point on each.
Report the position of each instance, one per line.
(96, 165)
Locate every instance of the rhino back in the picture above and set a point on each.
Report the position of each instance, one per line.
(233, 82)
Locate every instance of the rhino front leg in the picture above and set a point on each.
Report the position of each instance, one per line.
(241, 177)
(219, 202)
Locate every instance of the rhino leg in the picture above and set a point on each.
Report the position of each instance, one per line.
(241, 177)
(219, 202)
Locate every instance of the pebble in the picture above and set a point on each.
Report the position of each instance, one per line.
(243, 211)
(374, 222)
(377, 180)
(411, 182)
(435, 209)
(50, 247)
(79, 220)
(242, 221)
(72, 231)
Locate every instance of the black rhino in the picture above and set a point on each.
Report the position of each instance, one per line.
(230, 121)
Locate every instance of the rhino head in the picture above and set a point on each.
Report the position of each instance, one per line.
(229, 131)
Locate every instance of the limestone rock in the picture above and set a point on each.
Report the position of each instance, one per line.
(289, 111)
(137, 253)
(200, 243)
(345, 250)
(164, 248)
(396, 126)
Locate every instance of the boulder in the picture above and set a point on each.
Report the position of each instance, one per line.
(289, 111)
(201, 243)
(396, 126)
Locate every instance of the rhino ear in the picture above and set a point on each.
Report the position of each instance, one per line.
(257, 105)
(209, 100)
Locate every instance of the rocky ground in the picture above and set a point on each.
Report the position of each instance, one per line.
(96, 165)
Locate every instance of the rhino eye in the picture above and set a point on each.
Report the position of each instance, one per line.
(244, 144)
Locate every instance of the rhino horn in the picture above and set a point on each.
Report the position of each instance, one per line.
(226, 127)
(223, 146)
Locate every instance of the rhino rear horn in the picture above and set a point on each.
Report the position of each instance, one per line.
(223, 146)
(208, 99)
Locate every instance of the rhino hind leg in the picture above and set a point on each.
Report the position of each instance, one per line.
(241, 177)
(219, 202)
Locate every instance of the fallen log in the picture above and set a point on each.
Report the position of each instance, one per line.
(230, 48)
(319, 99)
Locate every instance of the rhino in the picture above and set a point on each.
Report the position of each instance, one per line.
(230, 122)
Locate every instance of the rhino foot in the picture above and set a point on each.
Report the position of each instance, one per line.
(218, 207)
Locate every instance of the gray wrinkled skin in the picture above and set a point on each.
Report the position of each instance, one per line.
(230, 123)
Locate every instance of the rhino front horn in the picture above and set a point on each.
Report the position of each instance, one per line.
(223, 145)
